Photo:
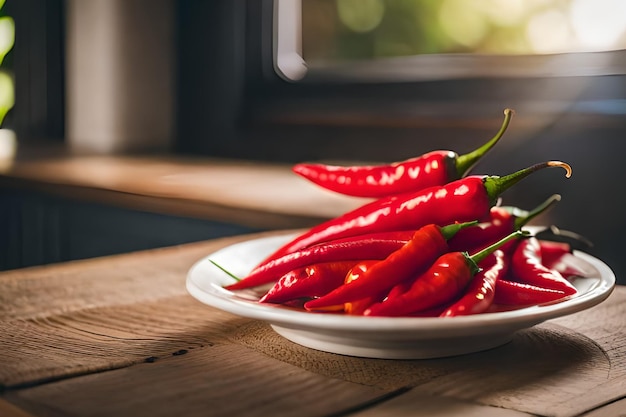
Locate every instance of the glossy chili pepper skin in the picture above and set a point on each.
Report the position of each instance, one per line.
(357, 307)
(526, 264)
(442, 283)
(426, 245)
(460, 201)
(480, 293)
(552, 252)
(310, 281)
(463, 200)
(374, 246)
(434, 168)
(513, 293)
(500, 222)
(560, 257)
(376, 181)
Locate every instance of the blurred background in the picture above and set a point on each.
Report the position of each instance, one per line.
(340, 30)
(343, 81)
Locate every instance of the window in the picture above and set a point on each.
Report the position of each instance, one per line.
(337, 105)
(394, 40)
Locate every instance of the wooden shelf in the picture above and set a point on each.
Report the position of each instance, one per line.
(261, 195)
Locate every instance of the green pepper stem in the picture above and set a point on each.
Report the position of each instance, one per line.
(450, 230)
(466, 162)
(227, 272)
(497, 185)
(522, 218)
(476, 258)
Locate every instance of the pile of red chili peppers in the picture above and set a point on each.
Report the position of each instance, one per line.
(433, 242)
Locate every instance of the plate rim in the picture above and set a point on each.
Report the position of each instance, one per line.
(226, 300)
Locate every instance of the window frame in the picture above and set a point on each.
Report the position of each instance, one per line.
(352, 109)
(290, 64)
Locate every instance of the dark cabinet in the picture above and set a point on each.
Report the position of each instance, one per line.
(38, 229)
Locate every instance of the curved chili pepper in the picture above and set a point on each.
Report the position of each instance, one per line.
(553, 255)
(522, 294)
(463, 200)
(527, 267)
(443, 282)
(403, 287)
(357, 307)
(559, 256)
(372, 246)
(478, 295)
(481, 291)
(310, 281)
(500, 222)
(427, 244)
(552, 252)
(431, 169)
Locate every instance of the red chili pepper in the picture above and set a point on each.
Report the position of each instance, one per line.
(522, 294)
(357, 307)
(427, 244)
(372, 246)
(403, 287)
(463, 200)
(428, 170)
(500, 222)
(481, 290)
(310, 281)
(431, 312)
(526, 265)
(443, 282)
(560, 257)
(552, 252)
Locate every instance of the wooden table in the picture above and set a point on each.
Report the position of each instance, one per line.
(120, 336)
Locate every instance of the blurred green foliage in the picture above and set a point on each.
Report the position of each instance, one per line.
(369, 29)
(7, 41)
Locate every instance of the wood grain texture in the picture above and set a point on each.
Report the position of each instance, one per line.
(85, 316)
(98, 339)
(217, 380)
(113, 280)
(120, 336)
(416, 404)
(541, 371)
(10, 410)
(546, 370)
(615, 409)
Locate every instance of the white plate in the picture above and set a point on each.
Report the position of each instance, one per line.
(380, 337)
